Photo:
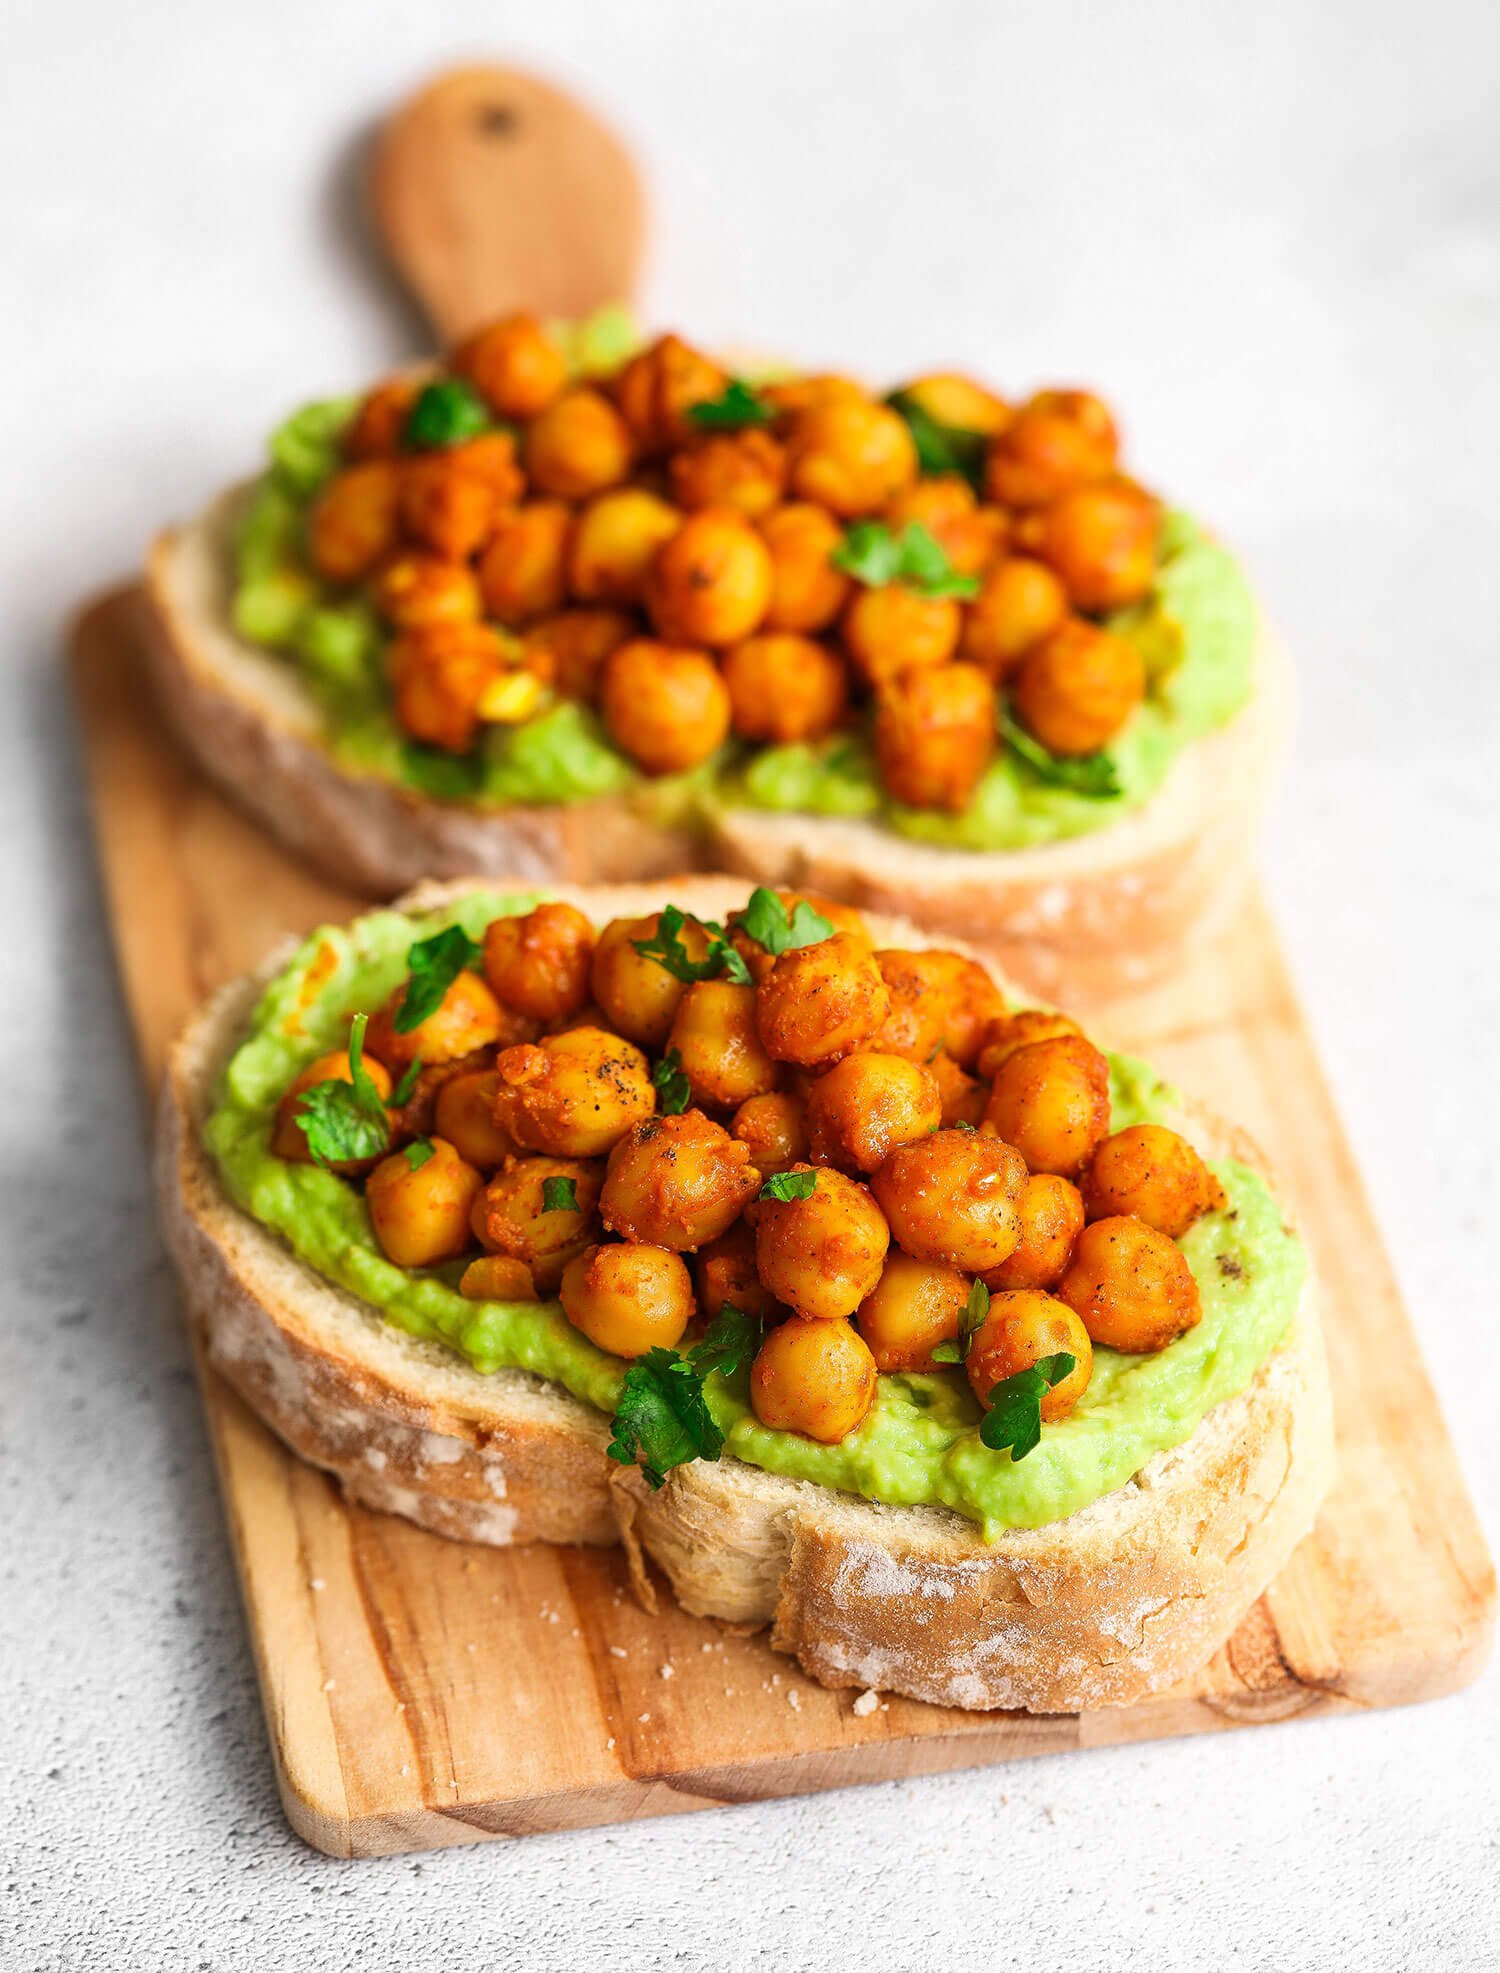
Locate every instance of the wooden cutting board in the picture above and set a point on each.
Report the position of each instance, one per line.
(421, 1693)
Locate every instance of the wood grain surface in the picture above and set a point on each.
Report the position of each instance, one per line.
(422, 1693)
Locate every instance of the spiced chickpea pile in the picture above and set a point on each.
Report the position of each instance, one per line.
(696, 558)
(863, 1151)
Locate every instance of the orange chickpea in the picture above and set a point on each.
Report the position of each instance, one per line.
(445, 509)
(1010, 1032)
(1059, 440)
(658, 388)
(464, 1115)
(817, 1378)
(521, 571)
(914, 1306)
(511, 1217)
(1076, 689)
(514, 365)
(538, 964)
(784, 688)
(288, 1138)
(1023, 1326)
(491, 459)
(865, 1106)
(439, 673)
(414, 590)
(628, 1299)
(718, 1042)
(807, 591)
(894, 629)
(958, 402)
(945, 506)
(420, 1215)
(953, 1197)
(935, 735)
(676, 1181)
(353, 523)
(638, 995)
(710, 582)
(573, 1094)
(792, 396)
(377, 427)
(1051, 1101)
(1101, 541)
(938, 1000)
(775, 1128)
(742, 470)
(1051, 1221)
(466, 1018)
(569, 650)
(668, 708)
(1131, 1285)
(724, 1276)
(1150, 1173)
(821, 1001)
(961, 1096)
(1022, 602)
(578, 446)
(616, 537)
(497, 1278)
(851, 456)
(823, 1254)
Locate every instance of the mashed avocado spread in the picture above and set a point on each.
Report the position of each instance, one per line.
(919, 1443)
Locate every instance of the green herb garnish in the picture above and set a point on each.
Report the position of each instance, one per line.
(975, 1310)
(434, 964)
(344, 1121)
(401, 1094)
(419, 1151)
(789, 1185)
(731, 1339)
(1014, 1418)
(559, 1195)
(673, 1090)
(721, 961)
(662, 1419)
(740, 405)
(766, 920)
(876, 556)
(445, 413)
(1086, 774)
(942, 448)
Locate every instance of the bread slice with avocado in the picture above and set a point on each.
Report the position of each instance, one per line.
(1094, 1607)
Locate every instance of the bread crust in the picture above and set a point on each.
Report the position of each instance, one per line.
(1131, 1593)
(1096, 914)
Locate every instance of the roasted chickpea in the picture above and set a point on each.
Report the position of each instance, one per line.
(817, 1378)
(1059, 440)
(614, 541)
(775, 1128)
(821, 1001)
(569, 650)
(628, 1299)
(823, 1254)
(420, 1213)
(521, 571)
(1076, 689)
(914, 1306)
(865, 1106)
(574, 1094)
(1022, 602)
(792, 396)
(935, 735)
(511, 1215)
(376, 430)
(491, 459)
(639, 996)
(466, 1018)
(665, 706)
(353, 523)
(851, 455)
(895, 629)
(439, 675)
(710, 582)
(958, 402)
(659, 387)
(1023, 1326)
(718, 1042)
(962, 1097)
(577, 447)
(1002, 1037)
(1051, 1221)
(954, 1197)
(1101, 541)
(1150, 1173)
(743, 470)
(842, 917)
(945, 506)
(938, 1000)
(724, 1276)
(538, 964)
(784, 688)
(677, 1181)
(1051, 1101)
(464, 1116)
(514, 365)
(419, 589)
(1131, 1285)
(497, 1278)
(288, 1139)
(445, 509)
(807, 591)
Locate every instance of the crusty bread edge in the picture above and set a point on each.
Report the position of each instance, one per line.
(1090, 916)
(1114, 1602)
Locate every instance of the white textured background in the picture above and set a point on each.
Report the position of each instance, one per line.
(1270, 232)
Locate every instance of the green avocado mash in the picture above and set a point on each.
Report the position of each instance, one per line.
(919, 1443)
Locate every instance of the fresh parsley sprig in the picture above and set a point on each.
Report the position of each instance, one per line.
(766, 920)
(434, 964)
(559, 1195)
(446, 412)
(740, 405)
(1014, 1418)
(662, 1419)
(343, 1121)
(975, 1310)
(1085, 774)
(876, 555)
(401, 1094)
(942, 448)
(785, 1185)
(665, 946)
(673, 1090)
(419, 1151)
